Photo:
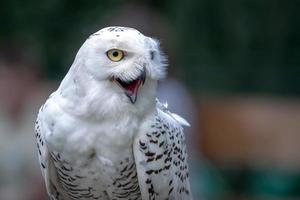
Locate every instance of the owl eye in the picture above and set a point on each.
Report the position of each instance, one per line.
(115, 55)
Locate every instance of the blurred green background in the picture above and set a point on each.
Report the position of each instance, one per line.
(246, 45)
(237, 61)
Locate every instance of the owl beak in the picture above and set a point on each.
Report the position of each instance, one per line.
(131, 88)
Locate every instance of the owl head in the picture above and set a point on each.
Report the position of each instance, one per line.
(116, 66)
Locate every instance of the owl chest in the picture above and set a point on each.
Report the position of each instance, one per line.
(105, 142)
(97, 159)
(97, 182)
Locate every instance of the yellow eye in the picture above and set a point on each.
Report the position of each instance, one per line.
(115, 55)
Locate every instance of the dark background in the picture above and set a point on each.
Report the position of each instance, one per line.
(246, 46)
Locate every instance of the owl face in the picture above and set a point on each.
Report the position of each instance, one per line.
(124, 57)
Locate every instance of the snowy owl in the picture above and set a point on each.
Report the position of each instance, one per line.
(103, 134)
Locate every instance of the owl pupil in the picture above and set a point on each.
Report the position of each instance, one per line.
(115, 54)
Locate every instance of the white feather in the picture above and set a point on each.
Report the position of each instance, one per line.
(179, 119)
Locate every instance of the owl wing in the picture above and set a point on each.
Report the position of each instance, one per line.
(161, 157)
(46, 161)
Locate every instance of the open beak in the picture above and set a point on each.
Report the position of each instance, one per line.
(131, 87)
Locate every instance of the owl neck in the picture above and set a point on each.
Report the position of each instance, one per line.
(83, 96)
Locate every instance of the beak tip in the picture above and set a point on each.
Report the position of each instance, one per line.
(132, 98)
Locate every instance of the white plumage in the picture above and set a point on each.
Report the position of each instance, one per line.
(103, 135)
